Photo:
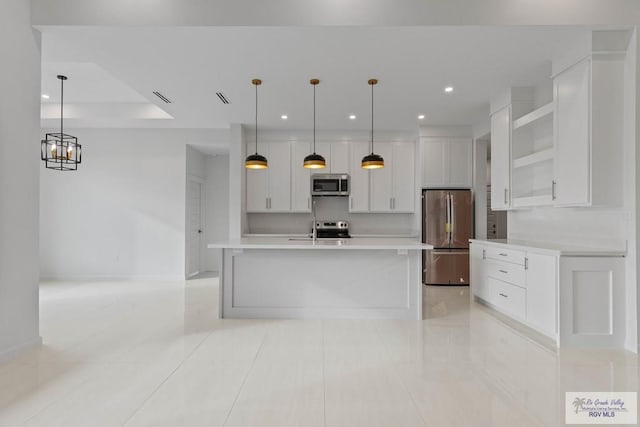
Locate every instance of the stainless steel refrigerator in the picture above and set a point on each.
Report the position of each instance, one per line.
(447, 224)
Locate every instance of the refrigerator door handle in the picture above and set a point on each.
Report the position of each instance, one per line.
(453, 215)
(449, 219)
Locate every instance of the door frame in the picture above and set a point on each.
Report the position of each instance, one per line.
(187, 246)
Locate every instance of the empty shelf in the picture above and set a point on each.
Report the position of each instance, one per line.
(533, 116)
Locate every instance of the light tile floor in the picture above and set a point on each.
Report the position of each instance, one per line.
(155, 354)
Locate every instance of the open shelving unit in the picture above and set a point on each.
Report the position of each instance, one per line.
(532, 156)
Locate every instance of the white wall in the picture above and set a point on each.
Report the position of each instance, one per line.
(217, 208)
(19, 163)
(122, 214)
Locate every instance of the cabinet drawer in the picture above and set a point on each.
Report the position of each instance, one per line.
(508, 255)
(509, 298)
(507, 272)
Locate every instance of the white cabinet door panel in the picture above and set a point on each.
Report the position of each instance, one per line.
(572, 145)
(435, 160)
(478, 271)
(359, 193)
(500, 158)
(257, 185)
(382, 180)
(403, 177)
(280, 176)
(339, 157)
(300, 178)
(324, 149)
(541, 293)
(460, 162)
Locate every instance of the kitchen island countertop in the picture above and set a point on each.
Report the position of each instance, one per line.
(360, 243)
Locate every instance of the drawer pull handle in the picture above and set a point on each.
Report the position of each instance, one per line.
(503, 254)
(503, 271)
(503, 295)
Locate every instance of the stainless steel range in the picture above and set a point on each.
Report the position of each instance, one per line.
(332, 229)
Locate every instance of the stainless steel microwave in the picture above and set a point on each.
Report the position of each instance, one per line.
(327, 184)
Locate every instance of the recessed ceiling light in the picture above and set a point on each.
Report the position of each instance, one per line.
(421, 116)
(448, 89)
(352, 117)
(45, 96)
(284, 117)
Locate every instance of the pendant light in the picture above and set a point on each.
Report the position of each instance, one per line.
(256, 161)
(372, 161)
(60, 151)
(314, 161)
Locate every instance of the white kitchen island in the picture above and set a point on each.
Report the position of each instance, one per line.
(280, 277)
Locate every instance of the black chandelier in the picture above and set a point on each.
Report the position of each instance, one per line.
(60, 151)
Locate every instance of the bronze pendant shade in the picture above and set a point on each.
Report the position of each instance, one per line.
(314, 160)
(372, 161)
(256, 161)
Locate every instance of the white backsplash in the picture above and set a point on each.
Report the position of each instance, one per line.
(591, 227)
(333, 208)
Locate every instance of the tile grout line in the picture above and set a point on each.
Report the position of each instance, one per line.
(404, 386)
(244, 380)
(155, 390)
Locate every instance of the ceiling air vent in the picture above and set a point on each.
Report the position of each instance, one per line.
(222, 98)
(161, 96)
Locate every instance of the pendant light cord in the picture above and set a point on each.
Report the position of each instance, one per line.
(256, 119)
(314, 119)
(61, 106)
(372, 119)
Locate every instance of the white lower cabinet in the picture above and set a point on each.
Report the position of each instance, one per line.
(478, 270)
(521, 284)
(507, 297)
(574, 300)
(541, 293)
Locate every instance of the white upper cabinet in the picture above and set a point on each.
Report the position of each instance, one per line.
(339, 157)
(392, 187)
(500, 158)
(300, 178)
(336, 155)
(359, 178)
(572, 148)
(382, 181)
(404, 176)
(447, 162)
(532, 158)
(269, 190)
(589, 137)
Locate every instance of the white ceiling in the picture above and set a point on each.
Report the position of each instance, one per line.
(116, 66)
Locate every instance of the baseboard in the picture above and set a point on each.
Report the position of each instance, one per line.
(108, 278)
(17, 349)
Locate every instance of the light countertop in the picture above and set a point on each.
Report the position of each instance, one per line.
(365, 243)
(552, 248)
